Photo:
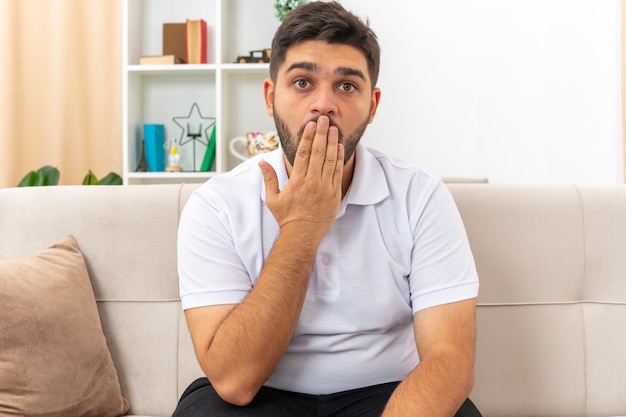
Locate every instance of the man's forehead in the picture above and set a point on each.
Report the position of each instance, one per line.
(318, 56)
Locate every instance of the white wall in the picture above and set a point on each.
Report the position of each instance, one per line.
(512, 90)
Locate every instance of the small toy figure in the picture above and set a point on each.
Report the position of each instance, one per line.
(173, 157)
(261, 56)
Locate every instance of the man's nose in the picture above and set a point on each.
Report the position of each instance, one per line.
(324, 101)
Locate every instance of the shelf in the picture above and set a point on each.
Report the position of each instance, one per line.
(169, 177)
(256, 68)
(229, 93)
(171, 69)
(182, 68)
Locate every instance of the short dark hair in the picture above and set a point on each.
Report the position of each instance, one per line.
(329, 22)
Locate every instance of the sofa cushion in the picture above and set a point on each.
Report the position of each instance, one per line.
(54, 360)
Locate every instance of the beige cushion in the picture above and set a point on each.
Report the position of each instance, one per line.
(54, 359)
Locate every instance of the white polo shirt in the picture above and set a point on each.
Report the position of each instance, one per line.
(397, 246)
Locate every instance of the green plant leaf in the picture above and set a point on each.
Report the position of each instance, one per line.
(29, 179)
(90, 179)
(46, 175)
(49, 175)
(111, 179)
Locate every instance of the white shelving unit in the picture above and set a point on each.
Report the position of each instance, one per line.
(230, 93)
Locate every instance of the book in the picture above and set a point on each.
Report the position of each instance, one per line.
(196, 41)
(159, 60)
(175, 40)
(209, 155)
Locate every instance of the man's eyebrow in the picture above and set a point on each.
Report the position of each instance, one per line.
(309, 66)
(351, 71)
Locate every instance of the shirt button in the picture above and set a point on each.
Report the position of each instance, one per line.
(326, 261)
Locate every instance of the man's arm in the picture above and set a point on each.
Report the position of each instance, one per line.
(239, 346)
(438, 386)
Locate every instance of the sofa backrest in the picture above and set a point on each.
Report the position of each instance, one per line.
(127, 235)
(552, 304)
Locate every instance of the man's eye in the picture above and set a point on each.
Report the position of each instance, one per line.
(302, 83)
(347, 87)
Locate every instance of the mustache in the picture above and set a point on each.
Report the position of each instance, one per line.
(331, 122)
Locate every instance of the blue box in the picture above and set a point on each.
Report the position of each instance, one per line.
(154, 146)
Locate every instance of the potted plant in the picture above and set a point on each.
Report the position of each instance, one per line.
(49, 175)
(284, 6)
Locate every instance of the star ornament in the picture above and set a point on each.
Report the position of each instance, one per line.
(191, 124)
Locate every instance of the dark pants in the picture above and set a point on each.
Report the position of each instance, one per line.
(201, 400)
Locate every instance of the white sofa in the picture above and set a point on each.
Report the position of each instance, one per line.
(552, 304)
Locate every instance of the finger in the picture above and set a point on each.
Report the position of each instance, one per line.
(330, 159)
(319, 146)
(338, 174)
(270, 179)
(303, 155)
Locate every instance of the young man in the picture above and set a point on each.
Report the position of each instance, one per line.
(325, 278)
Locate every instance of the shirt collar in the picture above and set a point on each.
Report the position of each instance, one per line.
(369, 185)
(368, 182)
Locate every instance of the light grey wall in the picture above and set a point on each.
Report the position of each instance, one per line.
(513, 90)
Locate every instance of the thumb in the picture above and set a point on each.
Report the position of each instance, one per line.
(270, 178)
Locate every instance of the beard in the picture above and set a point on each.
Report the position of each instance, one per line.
(289, 142)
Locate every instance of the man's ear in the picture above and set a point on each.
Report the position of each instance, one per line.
(375, 103)
(268, 93)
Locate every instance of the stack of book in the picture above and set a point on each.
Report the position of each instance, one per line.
(196, 41)
(160, 60)
(182, 43)
(175, 40)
